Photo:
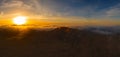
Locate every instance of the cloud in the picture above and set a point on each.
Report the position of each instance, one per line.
(31, 7)
(114, 11)
(13, 3)
(16, 6)
(55, 8)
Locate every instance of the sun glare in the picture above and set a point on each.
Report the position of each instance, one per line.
(20, 20)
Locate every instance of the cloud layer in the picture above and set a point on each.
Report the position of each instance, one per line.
(64, 8)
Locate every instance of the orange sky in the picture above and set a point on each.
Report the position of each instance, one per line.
(64, 21)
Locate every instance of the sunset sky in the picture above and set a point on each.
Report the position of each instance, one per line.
(74, 11)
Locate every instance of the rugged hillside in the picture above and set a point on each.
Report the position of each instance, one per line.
(59, 42)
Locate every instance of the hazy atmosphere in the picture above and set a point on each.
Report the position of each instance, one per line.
(59, 28)
(80, 12)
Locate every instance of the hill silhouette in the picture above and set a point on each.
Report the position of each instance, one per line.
(59, 42)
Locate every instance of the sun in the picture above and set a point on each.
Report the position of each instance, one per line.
(20, 20)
